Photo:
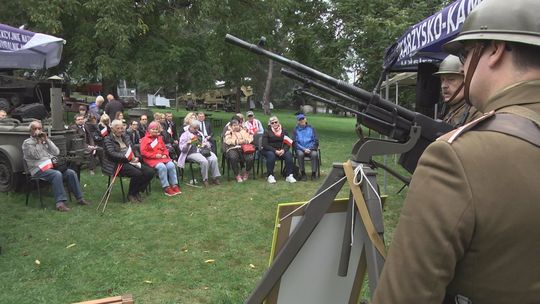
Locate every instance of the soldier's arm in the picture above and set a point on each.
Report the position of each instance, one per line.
(434, 228)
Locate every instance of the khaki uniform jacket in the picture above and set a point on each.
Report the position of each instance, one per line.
(470, 224)
(457, 112)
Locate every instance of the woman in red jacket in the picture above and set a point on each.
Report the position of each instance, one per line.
(155, 154)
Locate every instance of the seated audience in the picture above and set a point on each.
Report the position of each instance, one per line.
(133, 132)
(155, 154)
(192, 146)
(171, 127)
(206, 130)
(253, 125)
(119, 152)
(83, 111)
(166, 135)
(92, 127)
(103, 125)
(38, 152)
(143, 125)
(82, 130)
(187, 120)
(306, 143)
(234, 138)
(120, 116)
(276, 143)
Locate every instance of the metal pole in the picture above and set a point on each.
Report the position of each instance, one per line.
(385, 176)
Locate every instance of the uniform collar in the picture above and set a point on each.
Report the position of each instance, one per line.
(525, 92)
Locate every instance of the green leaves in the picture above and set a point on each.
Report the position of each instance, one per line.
(170, 43)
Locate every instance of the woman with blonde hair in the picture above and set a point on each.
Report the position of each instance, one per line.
(276, 144)
(188, 119)
(104, 125)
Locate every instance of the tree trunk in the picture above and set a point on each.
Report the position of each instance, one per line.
(109, 87)
(237, 97)
(268, 88)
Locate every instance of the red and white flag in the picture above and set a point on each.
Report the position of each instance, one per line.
(154, 143)
(169, 130)
(104, 132)
(129, 153)
(287, 140)
(46, 165)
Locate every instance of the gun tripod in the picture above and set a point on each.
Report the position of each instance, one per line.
(363, 200)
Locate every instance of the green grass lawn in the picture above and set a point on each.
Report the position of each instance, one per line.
(159, 250)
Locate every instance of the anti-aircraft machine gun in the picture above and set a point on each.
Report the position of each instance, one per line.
(409, 134)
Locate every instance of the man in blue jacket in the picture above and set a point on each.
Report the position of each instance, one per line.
(306, 143)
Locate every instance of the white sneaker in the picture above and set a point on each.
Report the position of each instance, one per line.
(271, 179)
(290, 179)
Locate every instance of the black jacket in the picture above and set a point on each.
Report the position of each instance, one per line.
(174, 130)
(135, 137)
(208, 127)
(114, 155)
(271, 142)
(142, 130)
(113, 107)
(83, 132)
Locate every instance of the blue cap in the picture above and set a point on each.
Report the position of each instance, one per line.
(300, 116)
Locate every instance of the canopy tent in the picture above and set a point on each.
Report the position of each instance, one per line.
(22, 49)
(423, 41)
(404, 79)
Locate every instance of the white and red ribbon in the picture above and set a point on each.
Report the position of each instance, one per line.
(46, 165)
(104, 132)
(129, 153)
(287, 140)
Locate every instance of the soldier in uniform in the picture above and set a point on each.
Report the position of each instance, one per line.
(455, 110)
(469, 229)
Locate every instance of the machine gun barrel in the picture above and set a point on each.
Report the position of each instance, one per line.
(327, 101)
(321, 87)
(403, 125)
(330, 102)
(339, 84)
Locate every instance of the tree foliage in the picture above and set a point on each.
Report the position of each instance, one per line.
(178, 44)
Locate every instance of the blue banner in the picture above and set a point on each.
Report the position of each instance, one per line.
(13, 39)
(423, 41)
(22, 49)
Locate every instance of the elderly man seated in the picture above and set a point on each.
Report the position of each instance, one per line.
(306, 143)
(120, 154)
(38, 151)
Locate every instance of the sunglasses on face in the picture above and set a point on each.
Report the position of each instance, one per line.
(274, 122)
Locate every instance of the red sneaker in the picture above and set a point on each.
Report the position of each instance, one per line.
(176, 189)
(169, 191)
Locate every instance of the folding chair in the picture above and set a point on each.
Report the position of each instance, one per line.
(38, 182)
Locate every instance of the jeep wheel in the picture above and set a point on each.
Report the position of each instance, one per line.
(6, 175)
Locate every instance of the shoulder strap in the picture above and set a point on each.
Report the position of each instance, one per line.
(513, 125)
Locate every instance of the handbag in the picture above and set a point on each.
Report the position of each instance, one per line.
(60, 164)
(205, 151)
(248, 148)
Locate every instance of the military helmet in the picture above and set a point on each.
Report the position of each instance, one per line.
(450, 65)
(515, 21)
